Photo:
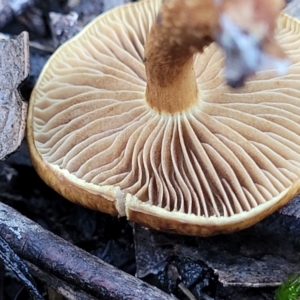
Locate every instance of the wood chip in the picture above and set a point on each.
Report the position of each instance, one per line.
(63, 27)
(14, 69)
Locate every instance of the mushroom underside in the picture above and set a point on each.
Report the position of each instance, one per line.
(221, 166)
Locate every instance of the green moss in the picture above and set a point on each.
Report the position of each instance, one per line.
(290, 289)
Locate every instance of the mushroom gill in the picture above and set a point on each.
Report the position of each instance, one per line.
(227, 161)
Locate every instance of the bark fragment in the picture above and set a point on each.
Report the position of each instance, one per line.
(14, 69)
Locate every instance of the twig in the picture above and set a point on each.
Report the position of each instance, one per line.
(186, 291)
(77, 268)
(14, 262)
(41, 47)
(59, 286)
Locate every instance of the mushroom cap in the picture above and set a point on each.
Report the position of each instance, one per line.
(219, 167)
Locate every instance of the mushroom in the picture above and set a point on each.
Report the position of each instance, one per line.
(108, 129)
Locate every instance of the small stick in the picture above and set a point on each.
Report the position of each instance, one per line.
(186, 291)
(57, 289)
(70, 264)
(13, 261)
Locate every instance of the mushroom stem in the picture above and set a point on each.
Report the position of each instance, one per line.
(243, 29)
(171, 86)
(170, 46)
